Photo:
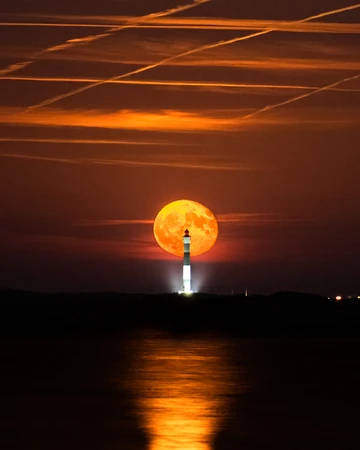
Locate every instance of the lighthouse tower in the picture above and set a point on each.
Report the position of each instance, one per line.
(186, 288)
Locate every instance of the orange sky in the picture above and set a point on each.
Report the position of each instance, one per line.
(238, 105)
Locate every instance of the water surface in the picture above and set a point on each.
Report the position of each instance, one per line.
(154, 391)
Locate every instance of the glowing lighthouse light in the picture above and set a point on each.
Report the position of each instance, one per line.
(186, 288)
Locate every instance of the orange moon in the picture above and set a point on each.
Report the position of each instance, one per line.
(172, 221)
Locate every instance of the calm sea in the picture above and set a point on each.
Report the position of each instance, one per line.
(160, 392)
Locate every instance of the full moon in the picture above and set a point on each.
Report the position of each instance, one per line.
(172, 221)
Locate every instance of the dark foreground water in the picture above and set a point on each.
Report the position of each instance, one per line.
(152, 391)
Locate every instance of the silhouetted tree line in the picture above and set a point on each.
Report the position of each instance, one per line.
(280, 314)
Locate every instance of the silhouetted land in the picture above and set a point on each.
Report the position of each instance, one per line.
(280, 314)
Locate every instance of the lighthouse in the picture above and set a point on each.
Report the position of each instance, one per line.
(186, 287)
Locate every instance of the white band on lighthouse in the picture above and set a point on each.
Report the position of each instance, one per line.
(187, 279)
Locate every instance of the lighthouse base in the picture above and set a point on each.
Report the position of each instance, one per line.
(186, 287)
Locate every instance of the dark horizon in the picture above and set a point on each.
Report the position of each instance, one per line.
(283, 314)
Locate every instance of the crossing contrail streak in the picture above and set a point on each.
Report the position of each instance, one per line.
(201, 48)
(300, 97)
(91, 38)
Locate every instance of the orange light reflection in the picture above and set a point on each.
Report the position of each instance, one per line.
(181, 389)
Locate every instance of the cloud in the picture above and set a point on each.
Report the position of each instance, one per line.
(302, 55)
(91, 141)
(246, 218)
(39, 158)
(227, 218)
(256, 59)
(156, 120)
(97, 223)
(79, 141)
(133, 163)
(201, 121)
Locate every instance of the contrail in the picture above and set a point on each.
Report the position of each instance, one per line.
(91, 38)
(191, 23)
(300, 97)
(57, 98)
(201, 84)
(56, 25)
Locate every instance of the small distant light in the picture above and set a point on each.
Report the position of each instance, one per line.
(359, 297)
(338, 298)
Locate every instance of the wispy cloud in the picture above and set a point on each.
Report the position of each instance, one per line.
(97, 223)
(204, 121)
(246, 218)
(264, 57)
(132, 162)
(94, 37)
(157, 120)
(227, 218)
(165, 61)
(40, 158)
(92, 141)
(303, 55)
